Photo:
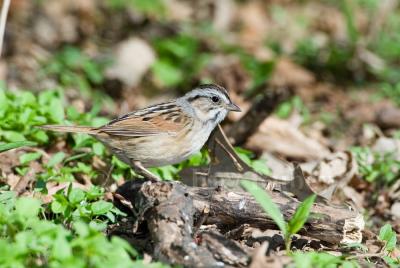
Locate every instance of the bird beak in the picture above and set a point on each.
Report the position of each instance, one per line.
(233, 107)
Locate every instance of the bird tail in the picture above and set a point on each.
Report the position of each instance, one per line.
(72, 129)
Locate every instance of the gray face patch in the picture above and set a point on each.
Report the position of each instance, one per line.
(208, 91)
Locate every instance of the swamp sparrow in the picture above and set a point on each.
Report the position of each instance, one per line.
(162, 134)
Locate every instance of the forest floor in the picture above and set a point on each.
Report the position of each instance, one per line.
(62, 197)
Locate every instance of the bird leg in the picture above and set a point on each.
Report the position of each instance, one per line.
(141, 170)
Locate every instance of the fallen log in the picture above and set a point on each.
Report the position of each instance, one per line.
(173, 213)
(168, 212)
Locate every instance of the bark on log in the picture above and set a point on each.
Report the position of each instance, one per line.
(329, 223)
(168, 210)
(172, 213)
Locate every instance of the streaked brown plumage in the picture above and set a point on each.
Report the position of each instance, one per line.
(162, 134)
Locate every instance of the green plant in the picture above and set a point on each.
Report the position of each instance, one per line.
(180, 59)
(377, 167)
(389, 237)
(84, 206)
(321, 260)
(257, 164)
(258, 70)
(28, 241)
(20, 111)
(298, 219)
(331, 60)
(74, 69)
(154, 8)
(13, 145)
(47, 108)
(391, 91)
(286, 108)
(339, 58)
(386, 45)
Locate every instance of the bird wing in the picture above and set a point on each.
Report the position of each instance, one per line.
(152, 123)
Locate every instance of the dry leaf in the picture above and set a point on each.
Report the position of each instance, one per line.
(281, 137)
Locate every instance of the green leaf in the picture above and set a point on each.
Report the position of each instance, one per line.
(56, 110)
(27, 207)
(3, 101)
(393, 263)
(98, 121)
(98, 148)
(317, 259)
(14, 145)
(94, 192)
(93, 72)
(76, 195)
(110, 216)
(266, 203)
(301, 215)
(13, 136)
(121, 243)
(284, 110)
(28, 157)
(58, 207)
(81, 228)
(167, 73)
(97, 225)
(101, 207)
(40, 136)
(387, 235)
(62, 249)
(385, 232)
(261, 167)
(7, 200)
(56, 159)
(26, 98)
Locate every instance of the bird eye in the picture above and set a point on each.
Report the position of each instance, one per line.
(215, 99)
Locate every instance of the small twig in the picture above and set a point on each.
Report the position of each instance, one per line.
(3, 20)
(108, 175)
(367, 255)
(234, 160)
(203, 218)
(125, 203)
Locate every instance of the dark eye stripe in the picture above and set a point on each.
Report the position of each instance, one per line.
(216, 87)
(194, 98)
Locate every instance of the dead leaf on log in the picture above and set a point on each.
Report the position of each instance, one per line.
(332, 172)
(279, 136)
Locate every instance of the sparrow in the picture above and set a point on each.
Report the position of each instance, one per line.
(162, 134)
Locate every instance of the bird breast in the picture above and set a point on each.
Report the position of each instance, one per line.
(166, 149)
